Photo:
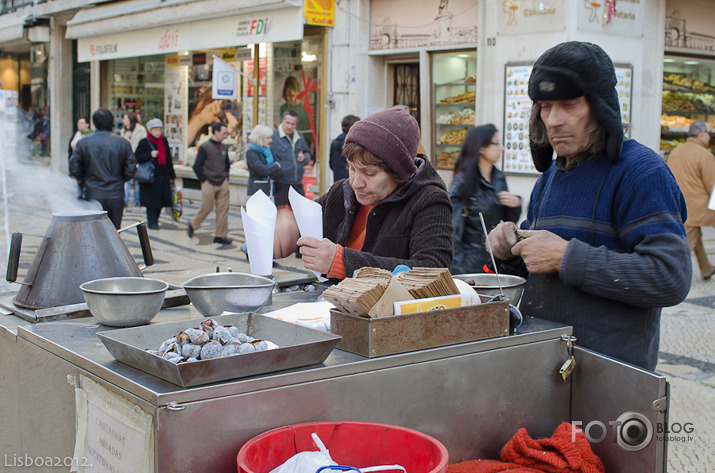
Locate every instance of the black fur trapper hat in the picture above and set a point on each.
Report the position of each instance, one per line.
(574, 69)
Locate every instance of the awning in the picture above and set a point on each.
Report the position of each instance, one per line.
(12, 27)
(141, 28)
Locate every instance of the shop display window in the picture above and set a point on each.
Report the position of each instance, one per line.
(136, 85)
(688, 95)
(453, 103)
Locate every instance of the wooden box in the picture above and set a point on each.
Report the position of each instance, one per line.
(388, 335)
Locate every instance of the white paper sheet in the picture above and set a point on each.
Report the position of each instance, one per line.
(309, 216)
(259, 225)
(311, 314)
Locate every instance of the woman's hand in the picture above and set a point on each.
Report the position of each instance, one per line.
(509, 200)
(154, 153)
(317, 255)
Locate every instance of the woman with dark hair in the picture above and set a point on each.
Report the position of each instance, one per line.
(156, 195)
(133, 132)
(478, 186)
(291, 89)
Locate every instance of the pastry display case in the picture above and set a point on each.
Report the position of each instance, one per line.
(453, 103)
(688, 95)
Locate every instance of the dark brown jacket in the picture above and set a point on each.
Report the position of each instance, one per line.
(411, 226)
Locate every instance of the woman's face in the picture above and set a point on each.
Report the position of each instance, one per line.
(370, 183)
(156, 132)
(292, 96)
(492, 150)
(82, 125)
(126, 122)
(267, 141)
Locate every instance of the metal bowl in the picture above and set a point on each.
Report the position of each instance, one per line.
(215, 293)
(124, 301)
(487, 285)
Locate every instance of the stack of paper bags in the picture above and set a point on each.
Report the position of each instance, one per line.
(373, 291)
(259, 225)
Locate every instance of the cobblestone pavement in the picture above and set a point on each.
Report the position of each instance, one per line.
(31, 193)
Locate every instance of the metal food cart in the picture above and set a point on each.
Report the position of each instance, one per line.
(471, 396)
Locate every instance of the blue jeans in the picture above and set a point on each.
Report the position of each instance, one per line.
(127, 191)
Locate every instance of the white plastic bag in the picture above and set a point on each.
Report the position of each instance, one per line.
(307, 462)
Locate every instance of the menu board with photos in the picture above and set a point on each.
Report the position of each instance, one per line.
(517, 110)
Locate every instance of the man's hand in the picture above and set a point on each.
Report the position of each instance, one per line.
(541, 250)
(502, 238)
(301, 157)
(317, 255)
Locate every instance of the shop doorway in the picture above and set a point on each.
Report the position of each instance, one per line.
(80, 86)
(406, 87)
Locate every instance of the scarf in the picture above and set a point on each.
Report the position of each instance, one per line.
(159, 146)
(265, 152)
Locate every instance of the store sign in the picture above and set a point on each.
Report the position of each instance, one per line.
(527, 16)
(263, 27)
(228, 54)
(624, 18)
(172, 61)
(319, 12)
(225, 80)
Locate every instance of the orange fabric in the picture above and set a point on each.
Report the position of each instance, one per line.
(522, 454)
(488, 466)
(337, 268)
(556, 454)
(357, 232)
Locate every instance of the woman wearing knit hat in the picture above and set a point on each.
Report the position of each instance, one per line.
(479, 187)
(156, 195)
(393, 209)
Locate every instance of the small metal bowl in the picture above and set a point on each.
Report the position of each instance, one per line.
(124, 301)
(486, 284)
(216, 293)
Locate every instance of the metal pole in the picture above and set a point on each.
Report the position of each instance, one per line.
(323, 100)
(256, 81)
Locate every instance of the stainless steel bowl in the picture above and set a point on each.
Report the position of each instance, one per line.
(486, 285)
(124, 301)
(215, 293)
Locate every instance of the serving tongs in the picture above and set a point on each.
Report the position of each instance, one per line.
(515, 317)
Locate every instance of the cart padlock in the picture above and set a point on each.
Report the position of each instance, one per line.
(569, 365)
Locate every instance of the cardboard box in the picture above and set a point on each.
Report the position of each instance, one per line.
(392, 334)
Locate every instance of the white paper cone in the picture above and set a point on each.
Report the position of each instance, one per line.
(259, 224)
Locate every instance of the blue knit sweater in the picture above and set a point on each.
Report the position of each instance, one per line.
(627, 256)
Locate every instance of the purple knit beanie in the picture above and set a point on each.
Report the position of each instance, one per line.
(392, 135)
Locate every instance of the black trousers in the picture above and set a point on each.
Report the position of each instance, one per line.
(115, 210)
(152, 216)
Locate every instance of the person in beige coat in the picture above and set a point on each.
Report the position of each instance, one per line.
(693, 165)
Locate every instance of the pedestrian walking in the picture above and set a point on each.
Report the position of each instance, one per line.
(104, 162)
(156, 195)
(338, 162)
(83, 130)
(290, 149)
(134, 132)
(693, 165)
(479, 187)
(211, 167)
(603, 246)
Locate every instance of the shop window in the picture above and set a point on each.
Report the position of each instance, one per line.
(453, 107)
(136, 85)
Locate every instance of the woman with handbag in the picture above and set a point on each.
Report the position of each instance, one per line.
(155, 195)
(262, 167)
(478, 186)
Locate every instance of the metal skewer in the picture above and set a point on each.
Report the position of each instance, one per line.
(489, 248)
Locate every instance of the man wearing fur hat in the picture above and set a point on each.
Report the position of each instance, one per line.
(393, 209)
(603, 246)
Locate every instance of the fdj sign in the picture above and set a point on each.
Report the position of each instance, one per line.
(260, 26)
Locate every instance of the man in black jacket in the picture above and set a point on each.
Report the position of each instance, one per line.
(211, 167)
(104, 162)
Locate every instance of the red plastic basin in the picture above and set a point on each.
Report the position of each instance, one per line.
(358, 444)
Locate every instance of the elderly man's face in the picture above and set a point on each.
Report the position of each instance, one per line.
(289, 124)
(567, 124)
